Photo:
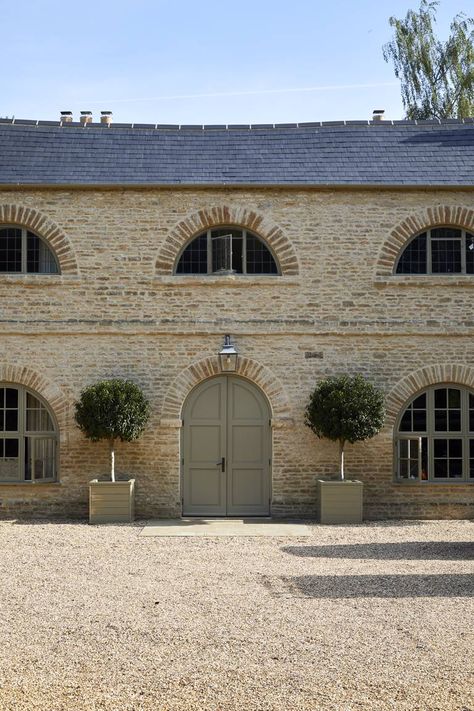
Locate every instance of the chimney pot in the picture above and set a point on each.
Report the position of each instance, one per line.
(66, 116)
(106, 117)
(378, 115)
(86, 117)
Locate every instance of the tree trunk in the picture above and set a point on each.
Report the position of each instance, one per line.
(341, 459)
(112, 460)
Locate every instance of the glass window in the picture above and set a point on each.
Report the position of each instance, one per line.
(226, 250)
(28, 438)
(435, 436)
(23, 252)
(440, 250)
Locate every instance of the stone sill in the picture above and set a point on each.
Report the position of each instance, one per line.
(425, 280)
(15, 484)
(229, 280)
(31, 280)
(425, 483)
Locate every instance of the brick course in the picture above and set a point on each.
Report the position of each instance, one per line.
(116, 310)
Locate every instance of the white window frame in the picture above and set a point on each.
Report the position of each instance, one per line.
(34, 436)
(244, 233)
(431, 435)
(429, 267)
(24, 252)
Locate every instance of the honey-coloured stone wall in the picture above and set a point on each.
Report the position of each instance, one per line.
(117, 310)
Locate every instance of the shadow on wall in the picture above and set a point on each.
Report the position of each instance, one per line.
(413, 550)
(380, 586)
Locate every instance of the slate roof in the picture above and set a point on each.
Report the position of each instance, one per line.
(331, 153)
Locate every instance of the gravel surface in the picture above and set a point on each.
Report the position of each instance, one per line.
(377, 616)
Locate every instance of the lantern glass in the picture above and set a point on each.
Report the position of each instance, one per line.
(228, 357)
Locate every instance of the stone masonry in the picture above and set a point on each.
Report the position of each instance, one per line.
(117, 310)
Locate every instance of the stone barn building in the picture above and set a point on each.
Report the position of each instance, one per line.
(321, 249)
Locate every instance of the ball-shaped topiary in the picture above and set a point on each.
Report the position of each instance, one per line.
(345, 409)
(112, 409)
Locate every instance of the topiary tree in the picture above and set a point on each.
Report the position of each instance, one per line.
(345, 409)
(112, 409)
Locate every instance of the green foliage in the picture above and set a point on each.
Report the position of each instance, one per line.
(112, 409)
(345, 408)
(437, 78)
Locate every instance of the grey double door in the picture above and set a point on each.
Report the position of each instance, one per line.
(226, 450)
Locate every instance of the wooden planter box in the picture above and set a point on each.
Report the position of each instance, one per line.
(111, 501)
(340, 501)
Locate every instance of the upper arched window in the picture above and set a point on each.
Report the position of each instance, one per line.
(23, 252)
(28, 437)
(227, 250)
(435, 436)
(439, 250)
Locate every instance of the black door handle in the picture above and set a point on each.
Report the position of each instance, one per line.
(223, 464)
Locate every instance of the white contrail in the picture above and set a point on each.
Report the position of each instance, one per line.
(334, 87)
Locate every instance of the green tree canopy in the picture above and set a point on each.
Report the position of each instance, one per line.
(112, 409)
(345, 409)
(437, 78)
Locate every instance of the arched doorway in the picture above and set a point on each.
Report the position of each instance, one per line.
(226, 449)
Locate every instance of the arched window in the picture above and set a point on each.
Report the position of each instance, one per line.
(435, 436)
(439, 250)
(23, 252)
(227, 250)
(28, 437)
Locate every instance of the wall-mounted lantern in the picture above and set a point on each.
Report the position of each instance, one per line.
(228, 356)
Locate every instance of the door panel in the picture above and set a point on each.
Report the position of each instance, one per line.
(204, 445)
(226, 417)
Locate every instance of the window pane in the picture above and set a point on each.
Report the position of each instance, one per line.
(11, 397)
(420, 402)
(10, 250)
(227, 245)
(441, 448)
(403, 448)
(441, 421)
(424, 458)
(43, 462)
(11, 448)
(11, 420)
(419, 420)
(454, 397)
(39, 258)
(455, 448)
(9, 462)
(194, 258)
(455, 468)
(454, 420)
(441, 397)
(441, 468)
(405, 424)
(259, 257)
(413, 258)
(469, 253)
(445, 256)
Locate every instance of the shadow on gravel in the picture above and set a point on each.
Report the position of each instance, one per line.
(412, 550)
(386, 586)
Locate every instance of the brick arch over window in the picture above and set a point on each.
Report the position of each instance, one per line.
(460, 217)
(22, 375)
(200, 221)
(41, 225)
(258, 374)
(423, 378)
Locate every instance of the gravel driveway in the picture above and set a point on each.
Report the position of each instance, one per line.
(376, 616)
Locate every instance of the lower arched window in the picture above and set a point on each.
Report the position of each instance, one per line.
(28, 437)
(21, 251)
(435, 436)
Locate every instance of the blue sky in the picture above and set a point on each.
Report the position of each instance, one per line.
(163, 61)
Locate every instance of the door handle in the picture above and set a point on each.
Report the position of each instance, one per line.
(221, 463)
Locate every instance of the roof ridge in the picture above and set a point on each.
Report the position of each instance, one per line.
(232, 127)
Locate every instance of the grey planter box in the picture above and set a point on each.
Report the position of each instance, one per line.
(340, 501)
(111, 501)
